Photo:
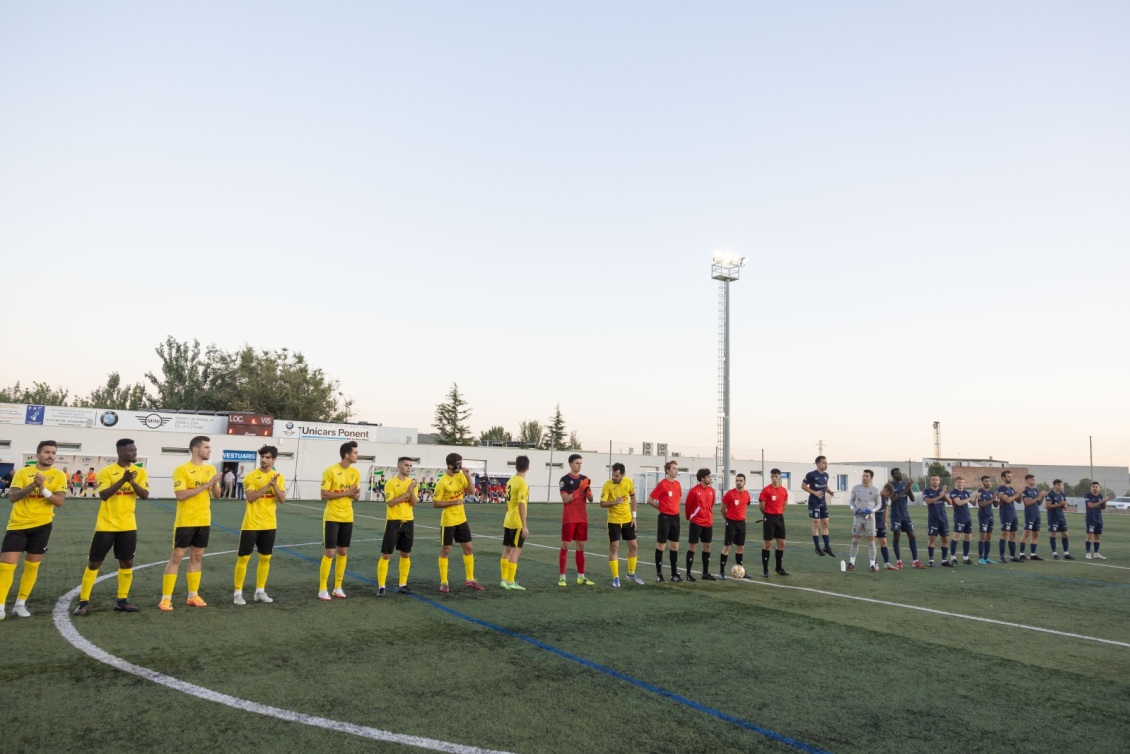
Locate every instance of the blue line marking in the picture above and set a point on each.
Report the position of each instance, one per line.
(650, 687)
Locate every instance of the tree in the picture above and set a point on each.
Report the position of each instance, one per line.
(574, 442)
(451, 417)
(494, 436)
(529, 433)
(937, 468)
(281, 384)
(555, 432)
(188, 379)
(116, 395)
(39, 394)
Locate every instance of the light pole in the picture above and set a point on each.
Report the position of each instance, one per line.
(725, 267)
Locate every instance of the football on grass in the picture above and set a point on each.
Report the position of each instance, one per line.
(738, 572)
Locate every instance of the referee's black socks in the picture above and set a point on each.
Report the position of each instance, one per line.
(722, 562)
(658, 562)
(765, 560)
(674, 555)
(705, 562)
(690, 561)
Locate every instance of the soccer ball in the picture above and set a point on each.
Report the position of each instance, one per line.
(738, 572)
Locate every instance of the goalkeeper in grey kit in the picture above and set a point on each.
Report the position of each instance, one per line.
(865, 501)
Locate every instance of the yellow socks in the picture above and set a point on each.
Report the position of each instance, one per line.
(88, 579)
(262, 568)
(125, 581)
(27, 580)
(511, 571)
(504, 566)
(193, 582)
(405, 567)
(7, 575)
(632, 565)
(324, 572)
(382, 571)
(241, 562)
(469, 566)
(443, 570)
(339, 570)
(615, 566)
(168, 584)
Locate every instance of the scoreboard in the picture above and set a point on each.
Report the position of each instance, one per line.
(259, 425)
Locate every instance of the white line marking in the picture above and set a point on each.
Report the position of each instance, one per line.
(62, 617)
(940, 612)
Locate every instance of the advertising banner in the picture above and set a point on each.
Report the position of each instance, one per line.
(318, 431)
(159, 421)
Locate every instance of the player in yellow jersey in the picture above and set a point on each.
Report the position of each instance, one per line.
(401, 498)
(341, 485)
(36, 491)
(618, 497)
(119, 485)
(264, 488)
(514, 527)
(194, 485)
(453, 526)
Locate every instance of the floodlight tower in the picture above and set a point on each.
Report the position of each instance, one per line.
(725, 267)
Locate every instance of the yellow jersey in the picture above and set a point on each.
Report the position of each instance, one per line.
(35, 510)
(622, 513)
(394, 488)
(338, 479)
(117, 512)
(260, 514)
(517, 493)
(195, 510)
(451, 487)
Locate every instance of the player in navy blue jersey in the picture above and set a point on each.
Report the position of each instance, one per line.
(937, 521)
(816, 485)
(1006, 500)
(1096, 504)
(1056, 503)
(986, 501)
(885, 495)
(1032, 498)
(900, 517)
(962, 521)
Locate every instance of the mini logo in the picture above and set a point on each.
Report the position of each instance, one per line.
(154, 421)
(108, 419)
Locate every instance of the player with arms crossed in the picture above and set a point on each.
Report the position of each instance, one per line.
(453, 527)
(666, 498)
(865, 500)
(885, 495)
(341, 485)
(194, 485)
(1056, 503)
(1096, 504)
(937, 521)
(962, 520)
(401, 497)
(119, 485)
(576, 493)
(735, 503)
(816, 485)
(264, 489)
(1006, 499)
(36, 491)
(772, 502)
(515, 528)
(700, 513)
(1032, 498)
(900, 518)
(618, 497)
(986, 501)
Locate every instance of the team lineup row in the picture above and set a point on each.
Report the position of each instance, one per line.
(38, 490)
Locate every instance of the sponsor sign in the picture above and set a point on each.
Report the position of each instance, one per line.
(241, 455)
(159, 421)
(319, 431)
(12, 413)
(34, 414)
(61, 416)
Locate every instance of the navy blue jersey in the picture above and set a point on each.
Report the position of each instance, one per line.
(983, 496)
(900, 501)
(961, 512)
(1031, 512)
(1055, 498)
(1008, 510)
(935, 502)
(1094, 515)
(817, 481)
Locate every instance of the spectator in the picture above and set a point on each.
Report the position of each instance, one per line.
(229, 483)
(239, 483)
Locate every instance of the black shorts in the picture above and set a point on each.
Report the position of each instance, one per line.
(262, 540)
(459, 533)
(773, 527)
(735, 533)
(33, 541)
(668, 528)
(701, 534)
(191, 536)
(123, 542)
(513, 538)
(626, 532)
(336, 534)
(398, 536)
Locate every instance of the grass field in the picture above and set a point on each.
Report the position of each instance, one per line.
(723, 666)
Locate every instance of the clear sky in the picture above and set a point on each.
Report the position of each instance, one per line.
(524, 197)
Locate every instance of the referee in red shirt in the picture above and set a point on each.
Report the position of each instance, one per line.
(772, 502)
(700, 512)
(666, 498)
(734, 506)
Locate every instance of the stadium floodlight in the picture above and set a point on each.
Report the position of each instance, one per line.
(726, 267)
